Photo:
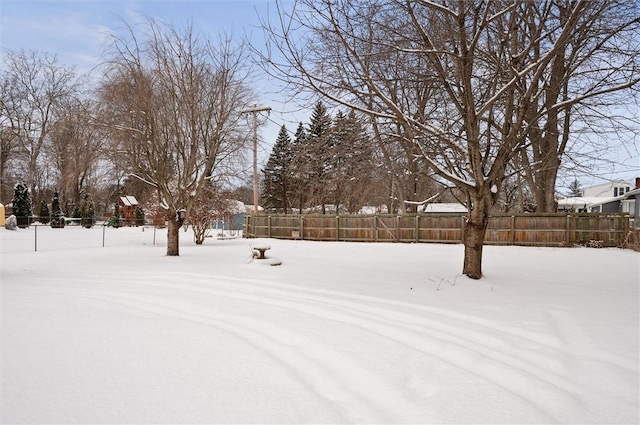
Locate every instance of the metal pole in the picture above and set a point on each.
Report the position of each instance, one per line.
(36, 237)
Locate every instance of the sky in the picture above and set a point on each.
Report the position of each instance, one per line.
(75, 30)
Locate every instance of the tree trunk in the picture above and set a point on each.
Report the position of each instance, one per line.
(474, 234)
(173, 235)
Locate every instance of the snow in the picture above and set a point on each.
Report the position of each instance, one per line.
(339, 333)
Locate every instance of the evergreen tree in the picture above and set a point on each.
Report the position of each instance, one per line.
(87, 212)
(22, 204)
(140, 218)
(116, 220)
(57, 216)
(313, 157)
(276, 174)
(45, 214)
(574, 189)
(297, 174)
(350, 163)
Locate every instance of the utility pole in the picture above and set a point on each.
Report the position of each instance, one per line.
(255, 111)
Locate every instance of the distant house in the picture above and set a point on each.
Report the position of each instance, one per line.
(443, 207)
(612, 197)
(128, 206)
(607, 190)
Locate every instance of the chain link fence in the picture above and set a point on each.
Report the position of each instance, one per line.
(40, 237)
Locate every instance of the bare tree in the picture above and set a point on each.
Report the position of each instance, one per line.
(474, 123)
(75, 149)
(173, 100)
(33, 87)
(584, 92)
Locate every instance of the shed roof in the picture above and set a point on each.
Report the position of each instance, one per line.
(129, 201)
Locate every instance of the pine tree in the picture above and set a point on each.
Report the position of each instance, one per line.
(140, 217)
(276, 174)
(45, 214)
(313, 156)
(57, 216)
(297, 177)
(87, 212)
(352, 162)
(22, 204)
(574, 189)
(116, 220)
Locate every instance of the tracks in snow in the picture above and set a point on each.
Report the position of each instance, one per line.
(493, 352)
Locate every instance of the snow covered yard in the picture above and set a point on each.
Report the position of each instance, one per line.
(339, 333)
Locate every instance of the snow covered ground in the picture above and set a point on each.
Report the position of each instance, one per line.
(339, 333)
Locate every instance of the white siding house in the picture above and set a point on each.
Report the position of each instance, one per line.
(607, 190)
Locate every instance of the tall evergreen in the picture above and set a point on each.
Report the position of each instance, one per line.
(45, 214)
(317, 155)
(352, 161)
(57, 216)
(87, 211)
(22, 204)
(276, 174)
(298, 178)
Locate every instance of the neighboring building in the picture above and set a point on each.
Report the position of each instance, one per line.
(607, 190)
(613, 197)
(443, 207)
(128, 206)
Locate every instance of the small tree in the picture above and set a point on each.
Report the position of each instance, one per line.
(116, 220)
(211, 204)
(57, 216)
(140, 218)
(22, 204)
(87, 212)
(575, 189)
(45, 214)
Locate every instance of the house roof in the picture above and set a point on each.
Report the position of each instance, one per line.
(443, 207)
(129, 201)
(588, 201)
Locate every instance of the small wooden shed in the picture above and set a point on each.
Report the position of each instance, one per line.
(128, 205)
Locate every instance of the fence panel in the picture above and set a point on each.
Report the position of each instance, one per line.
(521, 229)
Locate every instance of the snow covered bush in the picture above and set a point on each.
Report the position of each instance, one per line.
(22, 204)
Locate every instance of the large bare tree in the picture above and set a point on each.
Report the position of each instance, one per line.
(582, 111)
(75, 149)
(485, 79)
(173, 100)
(34, 86)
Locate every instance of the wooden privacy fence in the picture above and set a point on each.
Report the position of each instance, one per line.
(521, 229)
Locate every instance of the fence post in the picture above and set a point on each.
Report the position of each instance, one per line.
(513, 229)
(398, 228)
(36, 237)
(566, 233)
(268, 226)
(375, 228)
(462, 229)
(337, 228)
(417, 228)
(301, 227)
(103, 232)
